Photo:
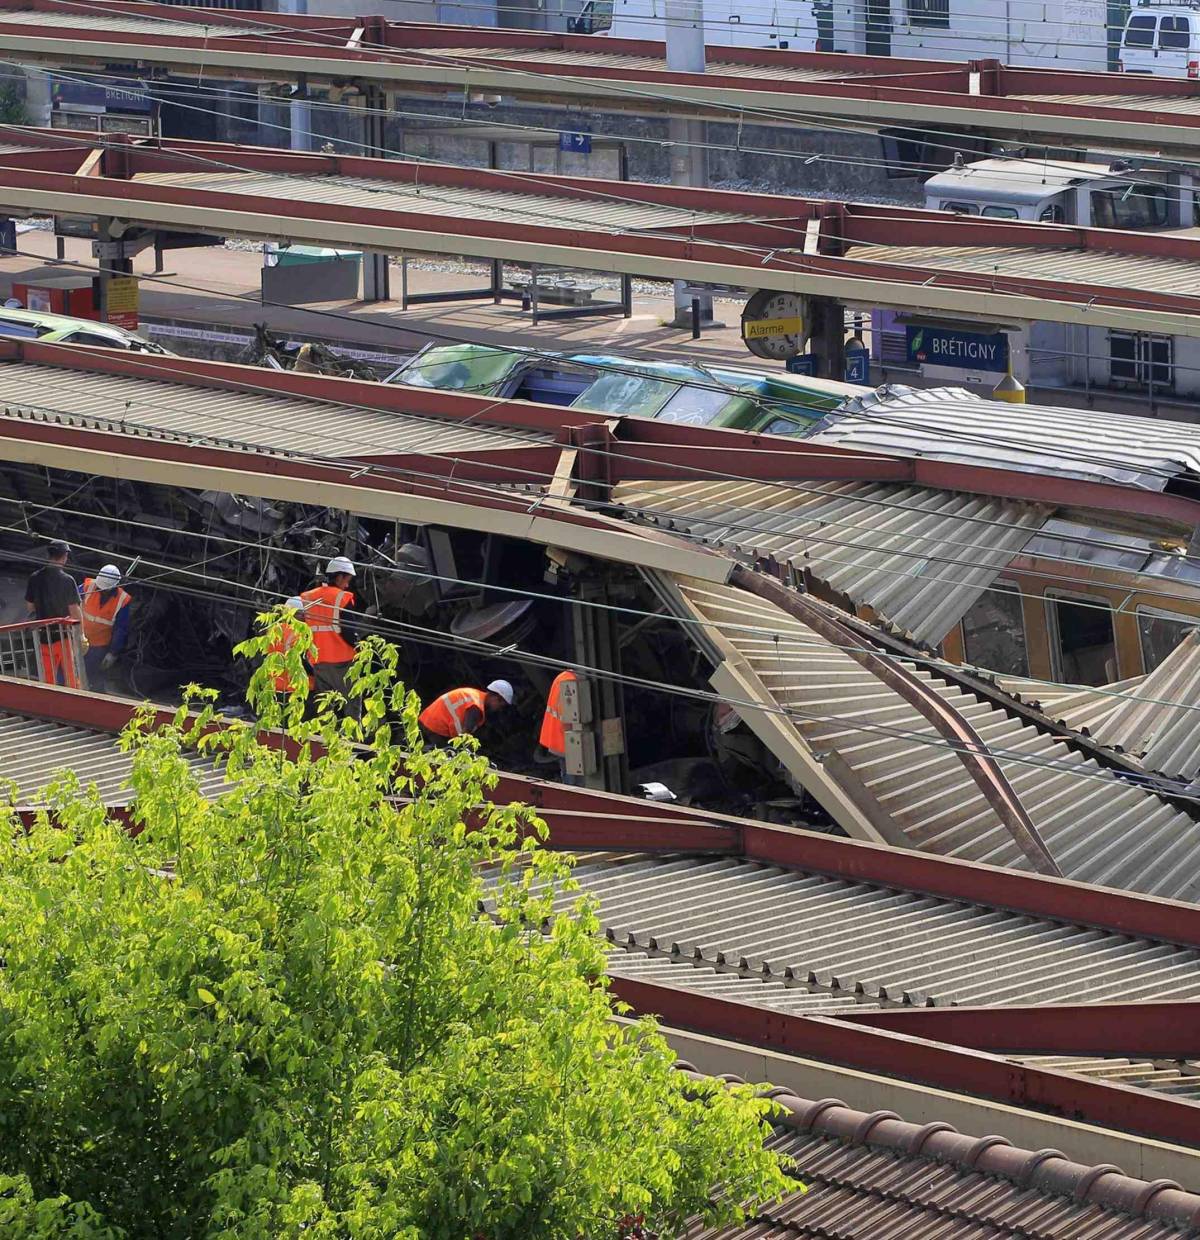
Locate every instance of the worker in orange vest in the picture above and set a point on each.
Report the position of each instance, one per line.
(51, 594)
(105, 623)
(324, 612)
(284, 642)
(462, 712)
(553, 735)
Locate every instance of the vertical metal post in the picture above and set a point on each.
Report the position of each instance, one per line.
(828, 337)
(695, 318)
(376, 276)
(497, 264)
(533, 293)
(597, 645)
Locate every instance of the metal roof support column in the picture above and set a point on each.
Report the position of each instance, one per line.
(828, 337)
(376, 277)
(112, 262)
(601, 697)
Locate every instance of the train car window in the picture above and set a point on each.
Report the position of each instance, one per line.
(1160, 632)
(994, 632)
(695, 406)
(1053, 214)
(1140, 206)
(1083, 645)
(1000, 213)
(961, 208)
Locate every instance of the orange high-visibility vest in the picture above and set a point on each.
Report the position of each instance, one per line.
(446, 716)
(552, 737)
(98, 616)
(323, 615)
(281, 645)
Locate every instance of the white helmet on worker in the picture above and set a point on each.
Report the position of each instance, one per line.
(109, 577)
(295, 603)
(339, 564)
(502, 689)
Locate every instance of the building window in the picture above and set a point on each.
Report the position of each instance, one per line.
(929, 13)
(1139, 360)
(994, 632)
(1160, 632)
(1083, 647)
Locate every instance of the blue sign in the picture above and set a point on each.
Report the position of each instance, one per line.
(580, 143)
(805, 364)
(963, 350)
(858, 366)
(113, 96)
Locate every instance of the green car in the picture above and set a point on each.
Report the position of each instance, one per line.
(687, 395)
(59, 329)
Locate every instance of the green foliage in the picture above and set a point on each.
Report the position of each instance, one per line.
(278, 1012)
(12, 109)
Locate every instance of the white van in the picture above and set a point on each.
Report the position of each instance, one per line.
(786, 24)
(1162, 38)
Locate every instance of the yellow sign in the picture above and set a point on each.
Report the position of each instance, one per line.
(772, 327)
(123, 302)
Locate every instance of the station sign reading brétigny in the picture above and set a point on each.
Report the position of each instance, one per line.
(944, 346)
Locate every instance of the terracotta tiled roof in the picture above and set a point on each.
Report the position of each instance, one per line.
(878, 1177)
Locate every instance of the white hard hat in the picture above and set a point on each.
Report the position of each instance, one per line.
(295, 603)
(339, 564)
(501, 688)
(109, 577)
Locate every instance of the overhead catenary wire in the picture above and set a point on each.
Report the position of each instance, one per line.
(931, 662)
(534, 476)
(1178, 790)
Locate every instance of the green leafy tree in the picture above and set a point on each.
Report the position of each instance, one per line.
(279, 1011)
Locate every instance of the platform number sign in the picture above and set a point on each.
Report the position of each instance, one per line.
(579, 143)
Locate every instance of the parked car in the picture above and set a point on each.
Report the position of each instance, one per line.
(59, 329)
(671, 392)
(1163, 39)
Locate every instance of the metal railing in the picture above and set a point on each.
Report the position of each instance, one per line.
(50, 651)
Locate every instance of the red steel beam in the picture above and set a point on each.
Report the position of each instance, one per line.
(700, 831)
(782, 235)
(1109, 1105)
(1169, 1030)
(643, 450)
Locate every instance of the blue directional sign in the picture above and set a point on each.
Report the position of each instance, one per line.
(943, 346)
(580, 143)
(805, 364)
(858, 366)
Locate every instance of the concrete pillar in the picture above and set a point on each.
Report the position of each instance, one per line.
(689, 165)
(37, 97)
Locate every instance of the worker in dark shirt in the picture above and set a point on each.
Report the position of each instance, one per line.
(53, 595)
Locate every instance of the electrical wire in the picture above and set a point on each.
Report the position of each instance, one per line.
(933, 663)
(124, 422)
(425, 635)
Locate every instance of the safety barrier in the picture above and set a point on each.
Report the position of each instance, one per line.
(50, 651)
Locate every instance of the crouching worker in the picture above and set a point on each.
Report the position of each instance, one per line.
(462, 712)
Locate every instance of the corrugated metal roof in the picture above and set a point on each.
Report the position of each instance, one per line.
(1179, 1078)
(1077, 706)
(879, 1190)
(864, 939)
(603, 212)
(34, 751)
(1159, 720)
(499, 57)
(888, 760)
(1180, 105)
(697, 977)
(920, 558)
(1099, 268)
(951, 424)
(261, 420)
(82, 20)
